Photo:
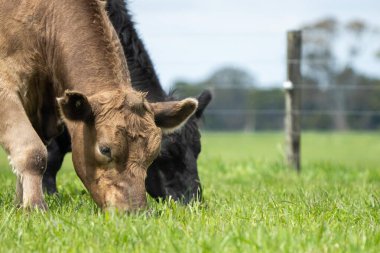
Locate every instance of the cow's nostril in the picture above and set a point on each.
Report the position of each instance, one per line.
(104, 150)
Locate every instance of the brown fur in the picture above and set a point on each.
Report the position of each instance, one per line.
(47, 47)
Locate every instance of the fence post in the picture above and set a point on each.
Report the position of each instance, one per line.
(293, 100)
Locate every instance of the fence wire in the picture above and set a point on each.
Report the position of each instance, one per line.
(282, 112)
(331, 108)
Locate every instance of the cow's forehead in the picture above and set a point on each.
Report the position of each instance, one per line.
(119, 103)
(135, 97)
(128, 96)
(128, 113)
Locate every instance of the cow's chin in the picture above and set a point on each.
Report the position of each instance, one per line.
(112, 190)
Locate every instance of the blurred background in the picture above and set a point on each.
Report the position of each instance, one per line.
(238, 50)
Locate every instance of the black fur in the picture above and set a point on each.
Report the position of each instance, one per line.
(174, 173)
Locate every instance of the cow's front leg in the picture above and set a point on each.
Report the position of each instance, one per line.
(26, 151)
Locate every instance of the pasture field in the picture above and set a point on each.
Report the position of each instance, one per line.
(252, 203)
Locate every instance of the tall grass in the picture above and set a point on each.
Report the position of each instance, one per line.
(252, 203)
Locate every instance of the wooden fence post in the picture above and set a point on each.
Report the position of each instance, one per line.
(293, 100)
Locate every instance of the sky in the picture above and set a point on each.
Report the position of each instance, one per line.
(188, 40)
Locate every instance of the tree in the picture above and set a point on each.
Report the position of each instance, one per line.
(230, 77)
(231, 87)
(331, 64)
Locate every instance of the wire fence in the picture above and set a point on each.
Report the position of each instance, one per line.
(223, 112)
(334, 107)
(334, 100)
(320, 87)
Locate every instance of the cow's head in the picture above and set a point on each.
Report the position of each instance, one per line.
(115, 136)
(174, 173)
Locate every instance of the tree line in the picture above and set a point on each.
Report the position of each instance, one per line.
(336, 93)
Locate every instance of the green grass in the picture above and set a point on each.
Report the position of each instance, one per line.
(252, 203)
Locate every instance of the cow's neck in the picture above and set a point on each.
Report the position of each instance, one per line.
(84, 52)
(142, 71)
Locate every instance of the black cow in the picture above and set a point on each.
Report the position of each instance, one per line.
(174, 173)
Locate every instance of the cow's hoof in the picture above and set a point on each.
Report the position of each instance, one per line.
(37, 205)
(49, 185)
(50, 189)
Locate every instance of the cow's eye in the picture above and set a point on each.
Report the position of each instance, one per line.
(106, 151)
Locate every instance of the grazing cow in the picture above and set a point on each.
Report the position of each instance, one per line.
(69, 48)
(174, 172)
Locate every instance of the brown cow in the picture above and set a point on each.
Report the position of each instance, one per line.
(47, 47)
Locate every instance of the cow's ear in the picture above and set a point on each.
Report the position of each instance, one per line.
(203, 100)
(170, 116)
(75, 106)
